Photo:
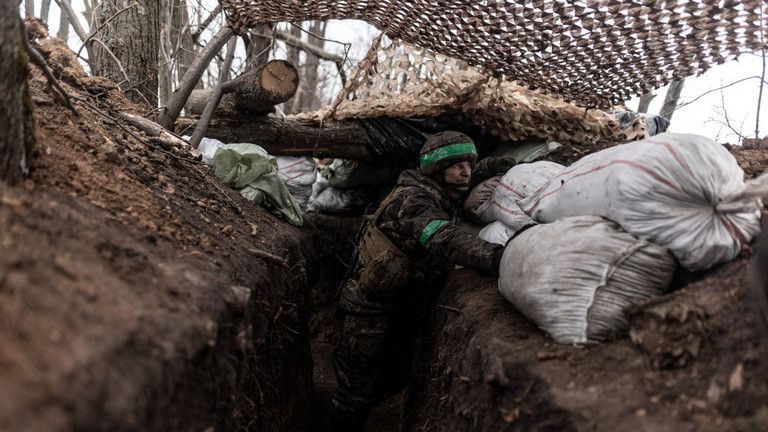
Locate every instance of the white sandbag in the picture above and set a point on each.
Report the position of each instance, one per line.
(675, 190)
(518, 183)
(331, 200)
(577, 277)
(480, 194)
(299, 175)
(497, 232)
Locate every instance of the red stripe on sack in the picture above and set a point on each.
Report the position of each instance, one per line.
(511, 189)
(734, 230)
(675, 155)
(296, 176)
(510, 211)
(292, 165)
(618, 161)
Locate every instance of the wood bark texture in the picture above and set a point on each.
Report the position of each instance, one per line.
(259, 90)
(290, 138)
(134, 38)
(198, 99)
(645, 101)
(17, 133)
(670, 100)
(190, 79)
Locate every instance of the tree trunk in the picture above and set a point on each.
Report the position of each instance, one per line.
(29, 8)
(45, 8)
(290, 138)
(17, 133)
(259, 90)
(134, 38)
(293, 57)
(198, 99)
(259, 46)
(190, 79)
(63, 32)
(670, 100)
(645, 101)
(165, 72)
(308, 98)
(187, 50)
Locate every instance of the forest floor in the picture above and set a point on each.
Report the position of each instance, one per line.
(137, 292)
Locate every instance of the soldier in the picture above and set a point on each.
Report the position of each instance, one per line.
(404, 254)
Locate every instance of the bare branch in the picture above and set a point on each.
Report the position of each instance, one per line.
(203, 25)
(195, 71)
(66, 7)
(314, 50)
(38, 60)
(205, 119)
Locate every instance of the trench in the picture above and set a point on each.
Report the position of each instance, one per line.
(462, 373)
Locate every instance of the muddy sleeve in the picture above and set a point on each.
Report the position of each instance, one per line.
(426, 221)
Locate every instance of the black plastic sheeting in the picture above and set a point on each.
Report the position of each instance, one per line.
(397, 141)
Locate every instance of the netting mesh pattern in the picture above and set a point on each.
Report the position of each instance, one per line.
(398, 80)
(597, 53)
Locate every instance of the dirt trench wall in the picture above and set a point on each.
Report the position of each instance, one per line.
(138, 293)
(105, 330)
(692, 361)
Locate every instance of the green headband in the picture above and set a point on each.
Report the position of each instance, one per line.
(447, 151)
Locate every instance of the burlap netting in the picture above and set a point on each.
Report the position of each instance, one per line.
(396, 80)
(597, 53)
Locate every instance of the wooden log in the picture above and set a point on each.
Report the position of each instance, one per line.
(259, 90)
(344, 140)
(200, 97)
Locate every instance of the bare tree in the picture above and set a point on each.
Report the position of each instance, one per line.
(17, 134)
(307, 98)
(63, 32)
(45, 8)
(670, 100)
(130, 31)
(645, 101)
(29, 8)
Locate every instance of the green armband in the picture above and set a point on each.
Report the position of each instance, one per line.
(430, 230)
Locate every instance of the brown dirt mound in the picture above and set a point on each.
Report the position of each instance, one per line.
(139, 293)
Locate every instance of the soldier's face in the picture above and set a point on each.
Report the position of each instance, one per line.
(457, 175)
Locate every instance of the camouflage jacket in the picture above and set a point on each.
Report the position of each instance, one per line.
(421, 223)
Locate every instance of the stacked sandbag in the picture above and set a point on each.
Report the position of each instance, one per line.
(576, 278)
(299, 175)
(330, 200)
(682, 192)
(480, 195)
(502, 211)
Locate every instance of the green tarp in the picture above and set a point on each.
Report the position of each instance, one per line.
(253, 171)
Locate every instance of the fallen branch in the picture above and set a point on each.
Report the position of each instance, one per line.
(160, 135)
(206, 22)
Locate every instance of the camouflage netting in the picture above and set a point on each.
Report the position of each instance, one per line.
(597, 53)
(396, 80)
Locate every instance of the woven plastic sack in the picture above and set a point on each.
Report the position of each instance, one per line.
(480, 194)
(498, 233)
(577, 277)
(299, 175)
(328, 199)
(518, 183)
(682, 192)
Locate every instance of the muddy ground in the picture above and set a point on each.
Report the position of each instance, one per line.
(139, 293)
